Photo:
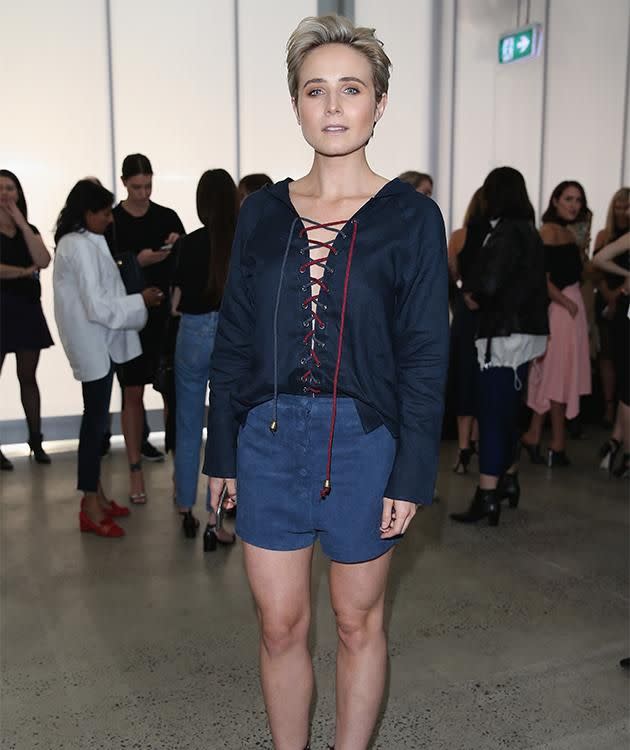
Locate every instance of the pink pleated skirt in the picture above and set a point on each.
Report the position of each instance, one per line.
(563, 373)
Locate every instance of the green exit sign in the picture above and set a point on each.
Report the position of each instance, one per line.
(521, 44)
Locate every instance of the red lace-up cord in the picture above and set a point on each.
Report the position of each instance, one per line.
(325, 491)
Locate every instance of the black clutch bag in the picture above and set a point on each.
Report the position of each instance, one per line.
(131, 272)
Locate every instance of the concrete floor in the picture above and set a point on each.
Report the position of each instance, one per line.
(499, 638)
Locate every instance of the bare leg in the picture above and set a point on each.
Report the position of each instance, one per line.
(488, 482)
(558, 434)
(132, 420)
(358, 596)
(534, 433)
(280, 583)
(464, 430)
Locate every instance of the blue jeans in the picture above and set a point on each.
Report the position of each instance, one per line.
(195, 342)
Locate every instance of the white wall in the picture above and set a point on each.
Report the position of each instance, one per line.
(175, 99)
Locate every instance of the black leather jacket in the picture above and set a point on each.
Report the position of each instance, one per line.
(509, 283)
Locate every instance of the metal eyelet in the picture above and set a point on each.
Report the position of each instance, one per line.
(303, 251)
(322, 326)
(306, 287)
(303, 361)
(307, 323)
(322, 306)
(305, 389)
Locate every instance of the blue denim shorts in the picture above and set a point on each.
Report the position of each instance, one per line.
(280, 476)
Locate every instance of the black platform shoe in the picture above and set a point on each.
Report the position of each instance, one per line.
(210, 539)
(623, 470)
(39, 454)
(533, 451)
(190, 524)
(485, 504)
(463, 459)
(5, 464)
(556, 459)
(509, 489)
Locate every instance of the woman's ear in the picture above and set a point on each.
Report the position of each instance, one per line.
(380, 108)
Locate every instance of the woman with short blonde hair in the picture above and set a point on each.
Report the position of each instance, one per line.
(327, 382)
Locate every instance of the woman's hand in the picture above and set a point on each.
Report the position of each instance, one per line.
(571, 307)
(27, 273)
(216, 485)
(152, 296)
(171, 239)
(14, 212)
(148, 257)
(397, 515)
(469, 300)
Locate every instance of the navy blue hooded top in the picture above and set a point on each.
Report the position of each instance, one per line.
(384, 287)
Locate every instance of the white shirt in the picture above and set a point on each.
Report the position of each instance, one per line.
(97, 320)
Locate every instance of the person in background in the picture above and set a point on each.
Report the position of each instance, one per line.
(203, 260)
(421, 181)
(609, 291)
(98, 323)
(614, 258)
(150, 231)
(563, 374)
(23, 328)
(251, 183)
(507, 282)
(463, 247)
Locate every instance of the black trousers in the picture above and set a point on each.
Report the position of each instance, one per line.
(94, 423)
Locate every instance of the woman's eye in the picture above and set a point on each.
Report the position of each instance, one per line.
(314, 92)
(351, 90)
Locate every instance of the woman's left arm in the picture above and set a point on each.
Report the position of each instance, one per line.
(604, 258)
(34, 242)
(421, 351)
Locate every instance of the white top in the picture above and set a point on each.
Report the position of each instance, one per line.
(97, 320)
(511, 351)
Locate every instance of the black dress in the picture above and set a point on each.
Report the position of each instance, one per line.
(133, 234)
(22, 323)
(463, 358)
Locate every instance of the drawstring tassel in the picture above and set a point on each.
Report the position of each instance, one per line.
(274, 426)
(325, 491)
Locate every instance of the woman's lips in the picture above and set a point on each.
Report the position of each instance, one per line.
(335, 129)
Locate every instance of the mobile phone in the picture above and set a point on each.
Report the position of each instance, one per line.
(220, 508)
(165, 247)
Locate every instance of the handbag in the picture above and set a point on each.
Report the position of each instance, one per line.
(130, 272)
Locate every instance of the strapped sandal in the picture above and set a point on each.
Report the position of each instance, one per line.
(137, 498)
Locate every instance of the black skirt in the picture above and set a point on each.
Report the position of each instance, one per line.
(23, 326)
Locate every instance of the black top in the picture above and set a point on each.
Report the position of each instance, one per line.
(14, 252)
(135, 233)
(563, 264)
(508, 282)
(191, 274)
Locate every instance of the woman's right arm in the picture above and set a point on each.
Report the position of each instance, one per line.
(16, 272)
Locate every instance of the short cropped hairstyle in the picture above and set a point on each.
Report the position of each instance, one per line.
(315, 31)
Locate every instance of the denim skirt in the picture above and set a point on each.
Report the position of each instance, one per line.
(280, 476)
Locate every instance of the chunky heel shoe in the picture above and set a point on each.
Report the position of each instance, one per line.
(210, 538)
(608, 454)
(463, 459)
(190, 524)
(623, 471)
(485, 504)
(509, 489)
(533, 451)
(38, 453)
(116, 511)
(557, 459)
(5, 464)
(106, 527)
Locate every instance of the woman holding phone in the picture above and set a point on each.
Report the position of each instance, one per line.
(148, 230)
(329, 367)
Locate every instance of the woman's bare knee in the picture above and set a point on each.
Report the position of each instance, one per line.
(358, 629)
(280, 634)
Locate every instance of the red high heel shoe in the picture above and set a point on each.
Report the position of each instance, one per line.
(107, 527)
(116, 511)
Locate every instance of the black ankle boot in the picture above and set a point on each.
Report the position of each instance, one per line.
(463, 459)
(190, 524)
(39, 454)
(5, 464)
(509, 489)
(484, 504)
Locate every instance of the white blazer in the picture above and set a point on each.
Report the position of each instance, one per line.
(97, 320)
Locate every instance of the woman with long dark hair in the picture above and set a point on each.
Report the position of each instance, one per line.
(203, 261)
(558, 379)
(507, 282)
(98, 323)
(327, 382)
(149, 231)
(23, 329)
